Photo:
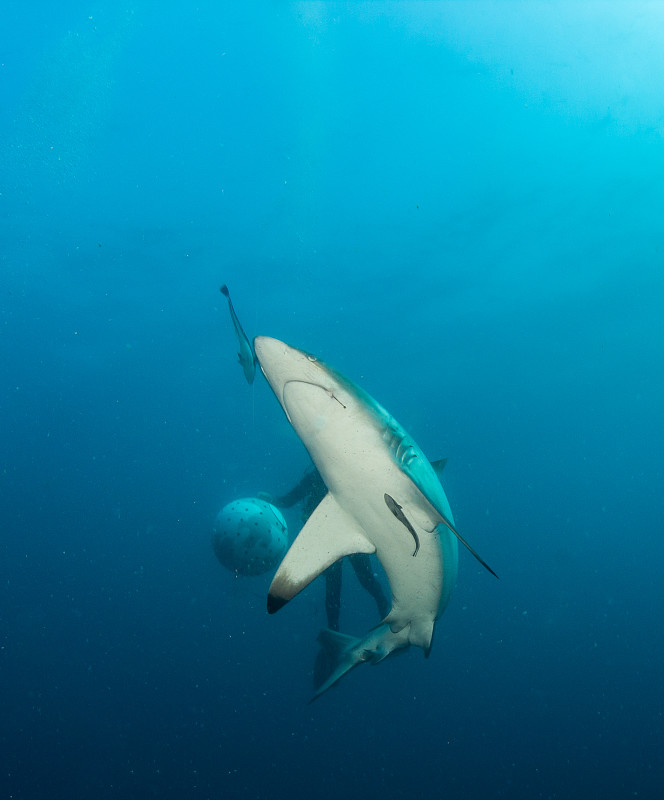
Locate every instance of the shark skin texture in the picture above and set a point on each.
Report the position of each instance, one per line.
(384, 497)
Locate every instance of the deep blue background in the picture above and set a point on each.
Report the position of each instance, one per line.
(459, 205)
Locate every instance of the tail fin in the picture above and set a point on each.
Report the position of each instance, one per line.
(338, 654)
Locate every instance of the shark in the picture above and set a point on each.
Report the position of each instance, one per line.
(245, 355)
(384, 498)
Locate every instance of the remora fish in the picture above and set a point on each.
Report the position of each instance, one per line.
(384, 497)
(246, 355)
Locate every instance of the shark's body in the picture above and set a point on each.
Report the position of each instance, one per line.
(384, 497)
(245, 355)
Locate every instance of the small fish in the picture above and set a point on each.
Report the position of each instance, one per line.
(397, 510)
(246, 355)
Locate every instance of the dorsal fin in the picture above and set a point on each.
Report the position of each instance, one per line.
(439, 466)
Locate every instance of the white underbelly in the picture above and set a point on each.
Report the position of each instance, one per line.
(359, 471)
(413, 564)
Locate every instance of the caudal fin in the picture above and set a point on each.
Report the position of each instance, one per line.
(338, 655)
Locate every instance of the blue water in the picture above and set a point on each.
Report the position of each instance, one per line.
(458, 205)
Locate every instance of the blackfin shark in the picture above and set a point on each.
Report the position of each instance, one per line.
(384, 497)
(245, 355)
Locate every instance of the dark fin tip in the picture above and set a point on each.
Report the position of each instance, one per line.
(274, 603)
(224, 290)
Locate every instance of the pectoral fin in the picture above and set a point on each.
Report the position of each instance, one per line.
(465, 544)
(412, 470)
(328, 535)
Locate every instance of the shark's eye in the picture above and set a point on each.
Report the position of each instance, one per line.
(312, 358)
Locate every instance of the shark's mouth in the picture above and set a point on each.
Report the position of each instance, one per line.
(302, 399)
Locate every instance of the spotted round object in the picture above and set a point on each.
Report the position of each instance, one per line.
(250, 536)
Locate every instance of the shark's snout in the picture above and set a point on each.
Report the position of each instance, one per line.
(267, 348)
(282, 363)
(270, 355)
